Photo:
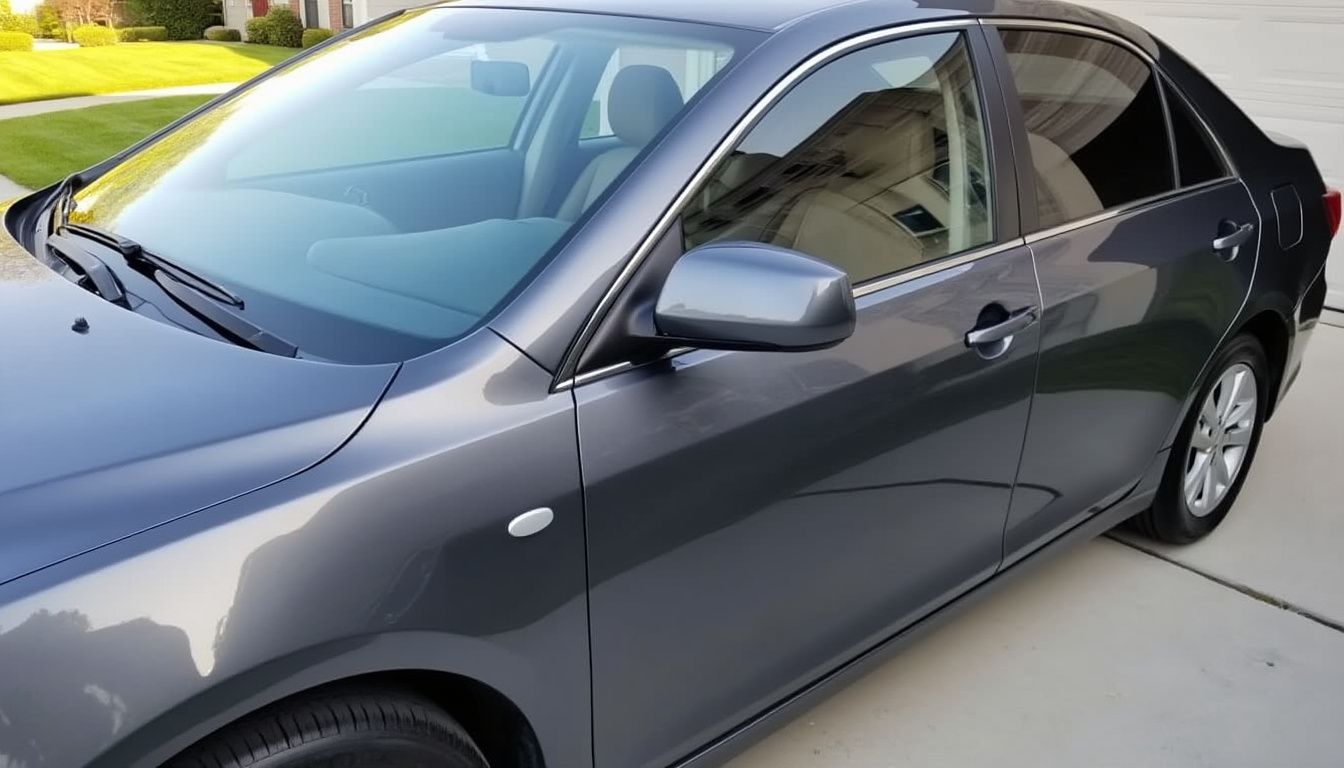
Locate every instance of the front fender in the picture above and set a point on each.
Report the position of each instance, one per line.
(391, 554)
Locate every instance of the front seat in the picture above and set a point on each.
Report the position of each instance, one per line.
(642, 101)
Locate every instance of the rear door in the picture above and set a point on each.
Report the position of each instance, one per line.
(1120, 206)
(755, 519)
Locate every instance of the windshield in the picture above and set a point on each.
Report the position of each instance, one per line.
(386, 194)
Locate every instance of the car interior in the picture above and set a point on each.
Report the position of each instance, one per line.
(875, 189)
(412, 197)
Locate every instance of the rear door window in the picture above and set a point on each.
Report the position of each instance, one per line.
(1095, 124)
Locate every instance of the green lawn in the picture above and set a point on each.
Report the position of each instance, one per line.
(36, 151)
(37, 75)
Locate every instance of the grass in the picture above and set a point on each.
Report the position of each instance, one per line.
(38, 75)
(37, 151)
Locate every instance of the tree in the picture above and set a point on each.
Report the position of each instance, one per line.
(77, 12)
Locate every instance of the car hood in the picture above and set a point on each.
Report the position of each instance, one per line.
(134, 422)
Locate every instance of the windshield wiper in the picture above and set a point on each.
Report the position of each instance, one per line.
(134, 252)
(226, 321)
(65, 192)
(200, 296)
(94, 269)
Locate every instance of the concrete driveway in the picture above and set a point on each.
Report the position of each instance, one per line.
(1227, 653)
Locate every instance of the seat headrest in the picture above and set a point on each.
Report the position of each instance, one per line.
(643, 100)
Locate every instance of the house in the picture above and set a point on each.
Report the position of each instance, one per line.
(335, 15)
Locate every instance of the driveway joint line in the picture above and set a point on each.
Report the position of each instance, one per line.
(1250, 592)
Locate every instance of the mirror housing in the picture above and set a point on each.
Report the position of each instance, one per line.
(500, 78)
(752, 296)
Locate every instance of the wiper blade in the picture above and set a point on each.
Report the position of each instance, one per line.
(91, 267)
(134, 252)
(224, 320)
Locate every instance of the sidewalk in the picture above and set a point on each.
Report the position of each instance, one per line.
(10, 190)
(27, 108)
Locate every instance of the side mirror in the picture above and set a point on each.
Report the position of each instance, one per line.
(742, 295)
(500, 78)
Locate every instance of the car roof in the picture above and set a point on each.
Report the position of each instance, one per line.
(771, 15)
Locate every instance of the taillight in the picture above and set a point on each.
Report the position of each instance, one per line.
(1332, 212)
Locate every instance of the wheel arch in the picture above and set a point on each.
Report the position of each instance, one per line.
(1268, 321)
(1271, 329)
(500, 728)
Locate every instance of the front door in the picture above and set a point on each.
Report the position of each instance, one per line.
(754, 519)
(260, 7)
(1136, 299)
(310, 18)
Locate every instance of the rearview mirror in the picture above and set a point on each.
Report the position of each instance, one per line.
(742, 295)
(500, 78)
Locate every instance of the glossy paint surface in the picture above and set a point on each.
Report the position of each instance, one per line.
(94, 421)
(1134, 307)
(394, 554)
(790, 301)
(817, 500)
(754, 522)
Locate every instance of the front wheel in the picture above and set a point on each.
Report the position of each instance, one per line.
(1214, 450)
(351, 729)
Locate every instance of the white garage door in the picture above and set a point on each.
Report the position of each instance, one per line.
(1281, 60)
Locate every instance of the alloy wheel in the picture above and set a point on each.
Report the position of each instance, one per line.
(1221, 439)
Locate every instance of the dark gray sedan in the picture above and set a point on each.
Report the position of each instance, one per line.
(595, 384)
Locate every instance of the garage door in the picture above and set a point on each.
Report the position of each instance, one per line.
(1281, 60)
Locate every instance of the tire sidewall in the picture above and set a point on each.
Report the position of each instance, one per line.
(1174, 519)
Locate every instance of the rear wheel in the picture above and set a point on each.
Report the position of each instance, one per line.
(356, 729)
(1214, 450)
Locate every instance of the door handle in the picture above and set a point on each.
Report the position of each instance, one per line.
(1237, 239)
(1018, 321)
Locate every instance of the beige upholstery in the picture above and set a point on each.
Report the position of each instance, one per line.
(642, 101)
(1063, 193)
(856, 237)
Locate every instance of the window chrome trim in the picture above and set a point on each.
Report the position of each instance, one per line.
(933, 267)
(567, 375)
(1127, 208)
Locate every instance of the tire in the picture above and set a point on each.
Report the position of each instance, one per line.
(1174, 517)
(350, 729)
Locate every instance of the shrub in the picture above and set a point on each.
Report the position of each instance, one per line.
(223, 34)
(184, 19)
(19, 22)
(16, 41)
(312, 37)
(258, 30)
(143, 34)
(94, 36)
(285, 27)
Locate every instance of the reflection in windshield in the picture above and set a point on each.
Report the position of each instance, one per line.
(380, 198)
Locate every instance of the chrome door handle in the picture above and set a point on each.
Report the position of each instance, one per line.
(1018, 321)
(1234, 240)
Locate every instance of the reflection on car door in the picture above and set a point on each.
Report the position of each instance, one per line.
(1135, 298)
(756, 518)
